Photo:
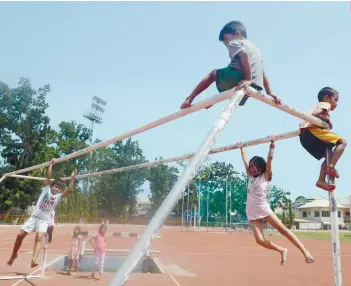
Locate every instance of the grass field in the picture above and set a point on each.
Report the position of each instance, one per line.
(323, 235)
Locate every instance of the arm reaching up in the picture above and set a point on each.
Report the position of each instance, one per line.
(246, 162)
(71, 183)
(48, 177)
(268, 173)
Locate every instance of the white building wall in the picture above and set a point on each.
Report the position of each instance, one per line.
(299, 214)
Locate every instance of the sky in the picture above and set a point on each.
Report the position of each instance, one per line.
(144, 58)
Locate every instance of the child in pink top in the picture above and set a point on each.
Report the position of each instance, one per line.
(258, 209)
(99, 243)
(74, 251)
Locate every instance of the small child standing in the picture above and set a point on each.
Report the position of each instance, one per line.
(99, 243)
(257, 206)
(74, 251)
(316, 140)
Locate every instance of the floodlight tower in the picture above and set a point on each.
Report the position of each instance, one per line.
(94, 116)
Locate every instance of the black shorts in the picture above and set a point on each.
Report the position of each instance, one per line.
(315, 146)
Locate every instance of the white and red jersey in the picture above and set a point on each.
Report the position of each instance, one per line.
(46, 204)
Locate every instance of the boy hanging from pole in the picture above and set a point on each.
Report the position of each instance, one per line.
(39, 221)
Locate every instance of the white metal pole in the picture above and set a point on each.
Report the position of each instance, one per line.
(181, 227)
(203, 104)
(208, 197)
(292, 111)
(45, 249)
(334, 222)
(230, 206)
(180, 113)
(3, 178)
(226, 203)
(179, 158)
(168, 204)
(187, 209)
(199, 203)
(194, 216)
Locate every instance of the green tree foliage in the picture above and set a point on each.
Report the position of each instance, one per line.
(25, 132)
(116, 193)
(161, 178)
(26, 139)
(278, 198)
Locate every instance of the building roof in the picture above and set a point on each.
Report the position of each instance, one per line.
(143, 201)
(305, 220)
(345, 201)
(320, 203)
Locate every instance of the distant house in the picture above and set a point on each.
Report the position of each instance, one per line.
(143, 206)
(315, 214)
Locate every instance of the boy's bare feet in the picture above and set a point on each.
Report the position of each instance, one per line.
(284, 255)
(325, 186)
(332, 172)
(186, 104)
(12, 259)
(33, 264)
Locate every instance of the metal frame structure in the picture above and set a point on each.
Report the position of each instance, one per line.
(189, 173)
(30, 276)
(238, 145)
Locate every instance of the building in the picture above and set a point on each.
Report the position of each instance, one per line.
(313, 213)
(143, 206)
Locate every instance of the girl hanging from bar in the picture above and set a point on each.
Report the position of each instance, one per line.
(257, 206)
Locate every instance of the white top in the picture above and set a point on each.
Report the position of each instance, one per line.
(46, 204)
(257, 204)
(318, 108)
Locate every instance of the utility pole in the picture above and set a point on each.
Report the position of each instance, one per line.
(94, 116)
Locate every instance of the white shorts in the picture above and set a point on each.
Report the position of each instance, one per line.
(35, 224)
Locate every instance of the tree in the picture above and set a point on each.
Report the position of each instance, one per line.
(219, 179)
(161, 178)
(117, 192)
(25, 129)
(25, 135)
(278, 198)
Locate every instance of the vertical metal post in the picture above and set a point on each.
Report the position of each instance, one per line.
(199, 203)
(44, 259)
(187, 211)
(334, 222)
(230, 207)
(182, 222)
(226, 204)
(208, 196)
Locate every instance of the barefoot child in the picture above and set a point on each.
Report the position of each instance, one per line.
(99, 243)
(245, 68)
(316, 140)
(40, 218)
(258, 209)
(74, 251)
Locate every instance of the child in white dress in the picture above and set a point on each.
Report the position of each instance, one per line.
(258, 209)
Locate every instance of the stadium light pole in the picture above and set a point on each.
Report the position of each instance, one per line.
(94, 116)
